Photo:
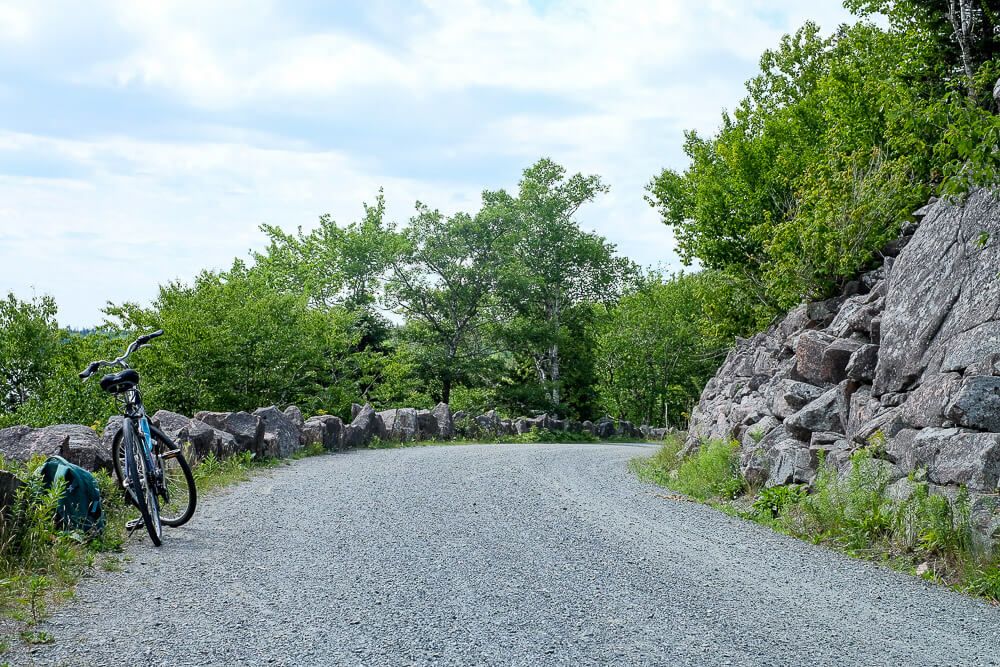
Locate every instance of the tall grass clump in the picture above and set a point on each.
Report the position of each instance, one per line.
(852, 511)
(712, 472)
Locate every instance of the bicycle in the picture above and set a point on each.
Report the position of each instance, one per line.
(151, 469)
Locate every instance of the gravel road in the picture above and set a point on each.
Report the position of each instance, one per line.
(497, 555)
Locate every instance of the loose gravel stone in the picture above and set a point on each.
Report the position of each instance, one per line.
(497, 555)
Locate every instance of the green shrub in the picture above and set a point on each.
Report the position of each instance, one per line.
(772, 502)
(712, 472)
(659, 467)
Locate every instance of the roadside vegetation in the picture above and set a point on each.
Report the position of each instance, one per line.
(925, 534)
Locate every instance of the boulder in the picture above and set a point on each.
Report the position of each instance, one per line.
(355, 411)
(354, 437)
(822, 414)
(111, 429)
(940, 314)
(957, 457)
(294, 415)
(886, 421)
(445, 426)
(427, 425)
(863, 410)
(836, 356)
(586, 427)
(605, 428)
(401, 424)
(809, 355)
(367, 425)
(790, 396)
(627, 429)
(76, 443)
(225, 443)
(862, 363)
(488, 424)
(247, 429)
(976, 403)
(324, 430)
(282, 437)
(196, 437)
(927, 406)
(756, 433)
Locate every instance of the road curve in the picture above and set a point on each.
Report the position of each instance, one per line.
(497, 555)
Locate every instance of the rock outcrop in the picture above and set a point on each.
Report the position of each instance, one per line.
(908, 357)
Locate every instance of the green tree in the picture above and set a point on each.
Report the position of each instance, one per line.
(442, 276)
(660, 344)
(29, 336)
(235, 342)
(333, 265)
(552, 266)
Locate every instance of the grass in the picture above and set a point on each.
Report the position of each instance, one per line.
(926, 534)
(39, 565)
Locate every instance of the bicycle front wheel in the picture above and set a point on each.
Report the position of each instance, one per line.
(138, 482)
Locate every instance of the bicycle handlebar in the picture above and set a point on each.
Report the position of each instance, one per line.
(139, 342)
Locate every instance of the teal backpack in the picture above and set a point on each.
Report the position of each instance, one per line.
(80, 507)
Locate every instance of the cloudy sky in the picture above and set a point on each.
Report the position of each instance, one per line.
(143, 141)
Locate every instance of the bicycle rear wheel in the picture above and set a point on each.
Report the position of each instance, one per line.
(139, 483)
(176, 492)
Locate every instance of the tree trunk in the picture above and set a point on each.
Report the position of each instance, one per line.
(446, 389)
(554, 373)
(962, 19)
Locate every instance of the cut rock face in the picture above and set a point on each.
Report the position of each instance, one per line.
(977, 403)
(907, 359)
(941, 311)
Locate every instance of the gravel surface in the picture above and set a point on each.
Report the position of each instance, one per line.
(501, 554)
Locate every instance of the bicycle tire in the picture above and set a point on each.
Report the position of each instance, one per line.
(178, 495)
(138, 484)
(177, 477)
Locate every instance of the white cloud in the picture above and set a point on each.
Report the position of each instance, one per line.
(15, 23)
(220, 55)
(141, 213)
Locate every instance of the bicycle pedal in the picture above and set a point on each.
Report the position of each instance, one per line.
(134, 525)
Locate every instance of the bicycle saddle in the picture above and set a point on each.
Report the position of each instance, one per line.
(116, 383)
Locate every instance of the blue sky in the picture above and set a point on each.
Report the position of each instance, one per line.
(143, 142)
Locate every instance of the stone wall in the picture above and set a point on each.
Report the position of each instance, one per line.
(273, 433)
(907, 358)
